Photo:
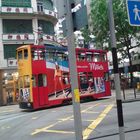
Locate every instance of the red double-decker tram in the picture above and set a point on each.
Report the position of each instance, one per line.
(44, 75)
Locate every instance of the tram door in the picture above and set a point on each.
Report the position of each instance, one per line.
(42, 89)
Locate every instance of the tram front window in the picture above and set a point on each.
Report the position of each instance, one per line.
(20, 55)
(25, 54)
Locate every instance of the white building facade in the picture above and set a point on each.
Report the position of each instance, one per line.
(19, 24)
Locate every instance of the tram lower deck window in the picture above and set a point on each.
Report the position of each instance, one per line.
(42, 81)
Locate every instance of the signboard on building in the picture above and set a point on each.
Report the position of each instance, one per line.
(12, 62)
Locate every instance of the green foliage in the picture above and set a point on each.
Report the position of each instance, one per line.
(100, 23)
(86, 35)
(99, 20)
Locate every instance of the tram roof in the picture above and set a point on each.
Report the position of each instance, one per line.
(54, 47)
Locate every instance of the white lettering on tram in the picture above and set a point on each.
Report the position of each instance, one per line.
(94, 66)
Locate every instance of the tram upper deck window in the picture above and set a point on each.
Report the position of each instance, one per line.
(59, 56)
(96, 57)
(103, 57)
(20, 56)
(25, 54)
(41, 53)
(38, 54)
(65, 56)
(50, 56)
(81, 56)
(34, 54)
(89, 56)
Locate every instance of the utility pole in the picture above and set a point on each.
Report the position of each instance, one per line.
(73, 72)
(116, 71)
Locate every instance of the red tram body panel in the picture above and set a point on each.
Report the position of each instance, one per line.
(44, 75)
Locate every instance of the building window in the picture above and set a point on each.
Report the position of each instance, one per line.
(48, 27)
(17, 26)
(10, 50)
(40, 6)
(48, 5)
(16, 3)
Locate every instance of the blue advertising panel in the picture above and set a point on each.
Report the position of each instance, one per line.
(133, 10)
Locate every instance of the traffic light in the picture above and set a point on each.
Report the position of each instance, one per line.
(79, 16)
(62, 6)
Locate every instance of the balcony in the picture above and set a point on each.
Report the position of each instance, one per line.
(17, 37)
(25, 37)
(17, 10)
(47, 14)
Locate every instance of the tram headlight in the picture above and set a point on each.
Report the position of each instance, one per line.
(29, 104)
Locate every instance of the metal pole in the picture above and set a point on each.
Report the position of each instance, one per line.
(73, 73)
(116, 72)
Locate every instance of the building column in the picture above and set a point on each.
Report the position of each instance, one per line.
(3, 63)
(34, 5)
(35, 30)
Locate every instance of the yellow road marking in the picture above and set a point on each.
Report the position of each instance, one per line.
(60, 121)
(45, 128)
(85, 110)
(11, 110)
(58, 131)
(95, 123)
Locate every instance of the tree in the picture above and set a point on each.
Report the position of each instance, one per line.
(124, 32)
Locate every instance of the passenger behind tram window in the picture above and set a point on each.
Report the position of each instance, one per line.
(96, 57)
(82, 57)
(41, 55)
(103, 57)
(34, 55)
(89, 57)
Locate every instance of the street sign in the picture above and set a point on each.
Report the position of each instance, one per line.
(133, 10)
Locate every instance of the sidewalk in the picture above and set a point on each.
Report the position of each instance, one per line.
(129, 95)
(109, 130)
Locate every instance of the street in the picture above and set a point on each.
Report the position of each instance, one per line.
(99, 121)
